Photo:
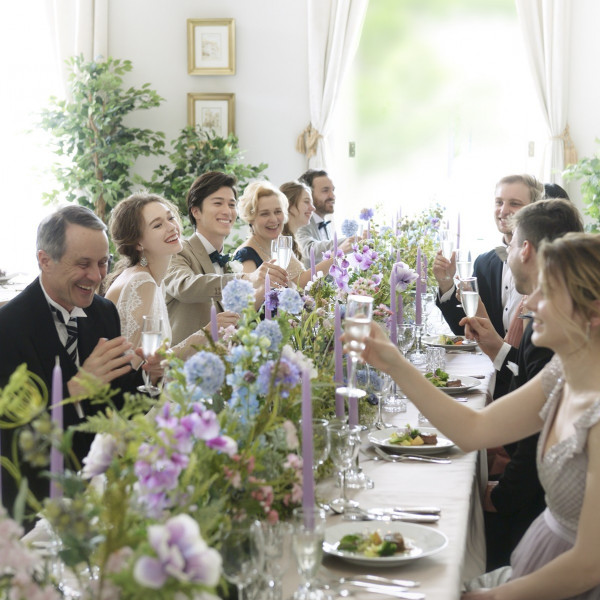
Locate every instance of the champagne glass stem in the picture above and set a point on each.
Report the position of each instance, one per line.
(343, 486)
(241, 591)
(352, 371)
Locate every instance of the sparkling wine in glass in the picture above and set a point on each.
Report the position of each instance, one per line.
(357, 325)
(464, 266)
(446, 243)
(284, 251)
(469, 295)
(151, 341)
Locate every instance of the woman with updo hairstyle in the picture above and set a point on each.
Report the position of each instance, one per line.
(146, 231)
(265, 209)
(559, 555)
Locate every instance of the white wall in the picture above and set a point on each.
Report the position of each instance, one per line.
(271, 97)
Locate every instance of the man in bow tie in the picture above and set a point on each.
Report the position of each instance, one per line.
(199, 272)
(319, 232)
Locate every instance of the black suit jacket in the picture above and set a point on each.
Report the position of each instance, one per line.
(519, 496)
(28, 335)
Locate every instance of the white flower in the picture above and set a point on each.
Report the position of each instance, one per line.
(301, 361)
(236, 267)
(102, 451)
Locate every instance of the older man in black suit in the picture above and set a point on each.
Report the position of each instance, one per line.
(513, 501)
(60, 315)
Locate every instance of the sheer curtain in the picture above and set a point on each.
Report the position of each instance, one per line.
(334, 28)
(78, 27)
(546, 31)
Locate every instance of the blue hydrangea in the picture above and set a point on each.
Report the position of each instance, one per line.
(290, 301)
(270, 330)
(366, 214)
(206, 371)
(349, 227)
(237, 294)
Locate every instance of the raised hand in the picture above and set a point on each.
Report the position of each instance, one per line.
(444, 270)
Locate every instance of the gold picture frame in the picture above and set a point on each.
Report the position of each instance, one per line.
(212, 112)
(211, 46)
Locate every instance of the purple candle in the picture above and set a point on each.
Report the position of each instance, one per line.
(400, 310)
(398, 253)
(352, 410)
(369, 229)
(313, 270)
(214, 328)
(458, 232)
(338, 377)
(267, 292)
(57, 460)
(418, 308)
(308, 481)
(335, 244)
(393, 318)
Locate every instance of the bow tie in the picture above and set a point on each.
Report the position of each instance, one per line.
(217, 257)
(323, 224)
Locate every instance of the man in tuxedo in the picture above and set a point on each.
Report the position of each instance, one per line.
(513, 501)
(197, 274)
(496, 286)
(60, 315)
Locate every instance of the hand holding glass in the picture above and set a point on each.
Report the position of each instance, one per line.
(151, 341)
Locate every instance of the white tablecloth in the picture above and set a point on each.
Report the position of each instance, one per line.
(455, 488)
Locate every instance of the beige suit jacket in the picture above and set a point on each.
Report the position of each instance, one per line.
(191, 285)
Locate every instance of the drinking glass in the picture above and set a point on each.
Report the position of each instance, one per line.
(320, 441)
(239, 558)
(344, 443)
(464, 266)
(469, 295)
(381, 386)
(284, 250)
(446, 243)
(396, 401)
(276, 540)
(151, 341)
(307, 543)
(357, 325)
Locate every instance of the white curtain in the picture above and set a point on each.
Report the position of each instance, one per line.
(78, 27)
(546, 26)
(334, 28)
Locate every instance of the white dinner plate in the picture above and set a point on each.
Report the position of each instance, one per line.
(467, 383)
(381, 438)
(434, 340)
(421, 541)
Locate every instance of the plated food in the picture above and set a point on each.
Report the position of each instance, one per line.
(452, 384)
(387, 440)
(361, 542)
(411, 436)
(449, 341)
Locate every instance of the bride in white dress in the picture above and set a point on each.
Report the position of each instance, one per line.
(146, 231)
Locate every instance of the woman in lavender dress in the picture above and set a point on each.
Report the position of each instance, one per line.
(559, 556)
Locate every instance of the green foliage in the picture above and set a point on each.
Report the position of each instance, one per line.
(90, 133)
(588, 171)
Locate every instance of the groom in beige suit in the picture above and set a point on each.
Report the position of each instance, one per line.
(199, 272)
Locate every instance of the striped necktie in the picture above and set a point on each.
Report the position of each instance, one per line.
(71, 343)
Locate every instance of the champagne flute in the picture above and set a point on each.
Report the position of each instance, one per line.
(357, 325)
(344, 443)
(239, 559)
(446, 243)
(151, 341)
(464, 266)
(307, 543)
(284, 251)
(469, 295)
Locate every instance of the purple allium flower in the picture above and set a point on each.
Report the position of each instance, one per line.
(349, 227)
(237, 294)
(102, 451)
(366, 214)
(206, 371)
(180, 553)
(271, 331)
(290, 301)
(404, 276)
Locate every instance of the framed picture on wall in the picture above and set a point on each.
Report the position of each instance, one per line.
(212, 112)
(211, 46)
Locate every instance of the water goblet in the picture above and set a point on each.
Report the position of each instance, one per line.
(239, 558)
(307, 543)
(151, 341)
(469, 295)
(344, 443)
(276, 540)
(357, 325)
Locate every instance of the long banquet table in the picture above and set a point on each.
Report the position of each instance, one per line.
(455, 488)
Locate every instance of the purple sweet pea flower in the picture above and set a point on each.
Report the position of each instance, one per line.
(180, 553)
(404, 276)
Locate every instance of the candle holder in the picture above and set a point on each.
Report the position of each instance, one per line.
(418, 356)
